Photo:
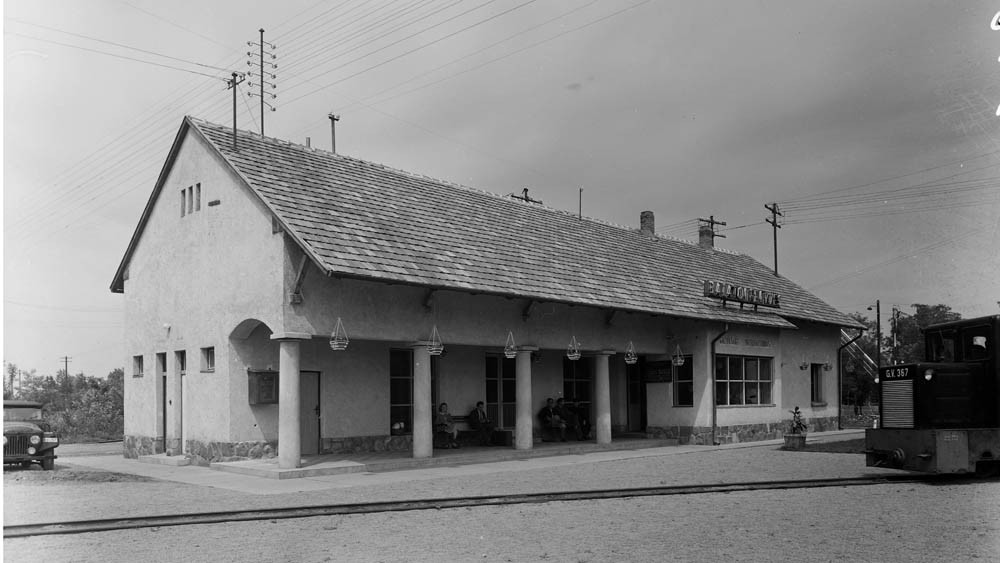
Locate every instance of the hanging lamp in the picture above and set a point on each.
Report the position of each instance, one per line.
(510, 350)
(436, 347)
(573, 350)
(678, 358)
(339, 340)
(630, 356)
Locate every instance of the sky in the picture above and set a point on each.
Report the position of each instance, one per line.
(873, 126)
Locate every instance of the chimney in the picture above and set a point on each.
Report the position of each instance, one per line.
(706, 236)
(647, 224)
(308, 143)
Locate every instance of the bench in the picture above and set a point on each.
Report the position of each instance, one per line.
(469, 437)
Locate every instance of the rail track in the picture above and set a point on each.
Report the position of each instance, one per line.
(189, 519)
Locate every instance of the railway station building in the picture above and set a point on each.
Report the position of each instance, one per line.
(282, 300)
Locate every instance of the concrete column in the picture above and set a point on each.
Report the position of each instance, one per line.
(602, 398)
(289, 425)
(524, 426)
(423, 410)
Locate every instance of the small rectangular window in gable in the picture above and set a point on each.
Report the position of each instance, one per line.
(208, 359)
(197, 196)
(183, 201)
(190, 199)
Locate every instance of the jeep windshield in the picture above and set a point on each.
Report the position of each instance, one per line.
(22, 414)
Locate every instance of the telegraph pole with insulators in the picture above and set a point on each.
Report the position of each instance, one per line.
(261, 69)
(775, 213)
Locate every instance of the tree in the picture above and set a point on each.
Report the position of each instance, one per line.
(906, 344)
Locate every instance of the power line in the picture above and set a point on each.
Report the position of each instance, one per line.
(110, 54)
(898, 258)
(123, 46)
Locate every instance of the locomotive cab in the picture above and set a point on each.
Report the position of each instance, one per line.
(941, 415)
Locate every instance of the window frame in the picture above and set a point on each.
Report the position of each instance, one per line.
(208, 359)
(723, 364)
(676, 373)
(816, 380)
(137, 366)
(405, 374)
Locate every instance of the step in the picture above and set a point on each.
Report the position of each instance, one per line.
(164, 459)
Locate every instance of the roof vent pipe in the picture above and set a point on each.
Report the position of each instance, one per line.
(308, 143)
(647, 225)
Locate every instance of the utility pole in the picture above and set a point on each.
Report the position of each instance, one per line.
(262, 74)
(66, 360)
(236, 81)
(773, 208)
(711, 222)
(333, 132)
(878, 333)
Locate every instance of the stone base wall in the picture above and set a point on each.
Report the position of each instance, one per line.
(702, 435)
(361, 444)
(135, 446)
(203, 453)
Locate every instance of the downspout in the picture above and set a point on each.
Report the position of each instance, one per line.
(715, 409)
(840, 377)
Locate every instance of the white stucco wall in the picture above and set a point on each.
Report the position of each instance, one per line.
(190, 281)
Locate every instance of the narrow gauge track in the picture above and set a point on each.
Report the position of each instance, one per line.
(111, 524)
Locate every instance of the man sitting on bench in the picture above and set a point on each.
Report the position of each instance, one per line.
(481, 423)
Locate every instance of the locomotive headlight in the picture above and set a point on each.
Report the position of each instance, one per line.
(35, 439)
(928, 374)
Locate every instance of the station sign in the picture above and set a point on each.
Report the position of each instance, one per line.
(742, 294)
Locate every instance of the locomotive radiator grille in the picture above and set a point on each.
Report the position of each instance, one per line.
(897, 404)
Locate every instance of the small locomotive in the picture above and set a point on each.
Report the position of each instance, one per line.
(941, 415)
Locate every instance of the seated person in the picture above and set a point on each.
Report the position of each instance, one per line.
(445, 425)
(481, 423)
(583, 416)
(551, 420)
(567, 411)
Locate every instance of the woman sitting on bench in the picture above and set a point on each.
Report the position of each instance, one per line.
(443, 424)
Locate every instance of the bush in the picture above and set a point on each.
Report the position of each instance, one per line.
(79, 408)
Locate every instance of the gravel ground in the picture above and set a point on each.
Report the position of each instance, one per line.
(29, 501)
(919, 523)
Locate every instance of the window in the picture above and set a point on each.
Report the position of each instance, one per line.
(683, 377)
(180, 357)
(208, 359)
(183, 201)
(577, 378)
(136, 366)
(197, 196)
(976, 343)
(190, 199)
(501, 390)
(742, 380)
(816, 384)
(401, 390)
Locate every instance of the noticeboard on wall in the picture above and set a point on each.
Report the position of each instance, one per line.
(262, 387)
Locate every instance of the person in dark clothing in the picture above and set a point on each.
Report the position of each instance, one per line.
(567, 411)
(552, 421)
(481, 423)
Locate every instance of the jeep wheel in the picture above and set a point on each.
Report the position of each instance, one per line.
(48, 464)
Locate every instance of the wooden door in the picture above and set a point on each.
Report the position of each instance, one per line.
(309, 412)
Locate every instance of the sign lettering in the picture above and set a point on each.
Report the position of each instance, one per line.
(742, 294)
(896, 373)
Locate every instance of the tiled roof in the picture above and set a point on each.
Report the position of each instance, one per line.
(366, 220)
